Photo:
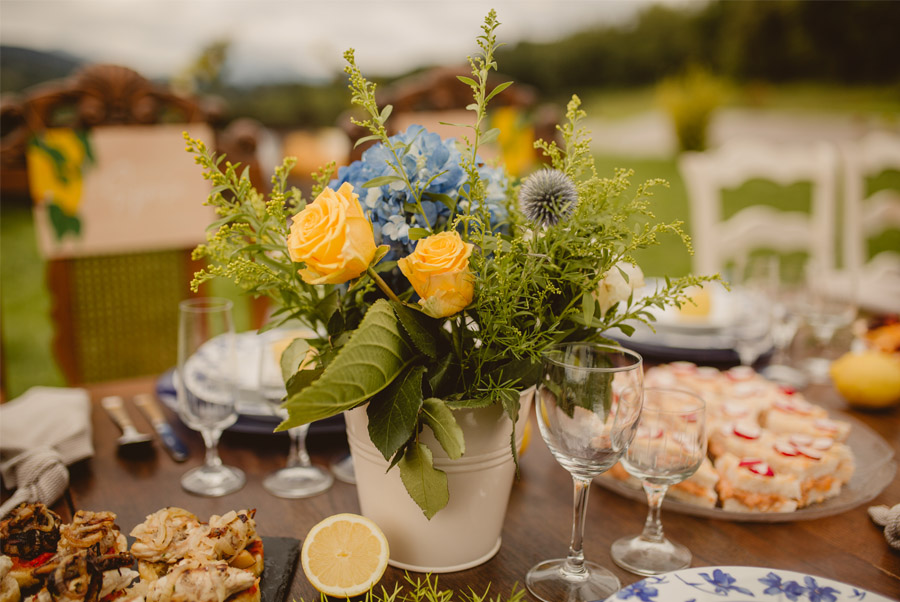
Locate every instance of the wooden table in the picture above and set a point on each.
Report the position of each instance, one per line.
(848, 547)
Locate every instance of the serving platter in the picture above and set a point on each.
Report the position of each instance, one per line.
(875, 469)
(714, 583)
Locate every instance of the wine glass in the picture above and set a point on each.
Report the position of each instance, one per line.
(751, 325)
(825, 310)
(343, 470)
(588, 403)
(752, 319)
(669, 446)
(206, 390)
(786, 286)
(299, 478)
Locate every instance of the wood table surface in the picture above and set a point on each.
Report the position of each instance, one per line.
(847, 547)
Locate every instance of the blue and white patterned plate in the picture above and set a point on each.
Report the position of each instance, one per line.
(741, 584)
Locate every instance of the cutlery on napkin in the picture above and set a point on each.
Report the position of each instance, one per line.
(147, 404)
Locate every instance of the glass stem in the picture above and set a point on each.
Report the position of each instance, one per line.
(298, 456)
(574, 566)
(653, 529)
(211, 439)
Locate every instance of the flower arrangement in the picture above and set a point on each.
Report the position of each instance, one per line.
(434, 280)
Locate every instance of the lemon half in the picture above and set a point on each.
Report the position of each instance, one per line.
(345, 555)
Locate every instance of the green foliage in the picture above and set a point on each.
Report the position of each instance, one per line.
(745, 41)
(690, 100)
(375, 354)
(414, 370)
(426, 589)
(426, 484)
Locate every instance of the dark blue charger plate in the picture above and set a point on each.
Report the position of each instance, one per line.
(255, 423)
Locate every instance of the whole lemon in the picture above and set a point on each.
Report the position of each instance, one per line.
(870, 379)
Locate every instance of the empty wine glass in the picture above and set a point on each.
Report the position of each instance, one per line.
(343, 470)
(205, 388)
(787, 285)
(299, 478)
(825, 310)
(588, 403)
(751, 325)
(669, 446)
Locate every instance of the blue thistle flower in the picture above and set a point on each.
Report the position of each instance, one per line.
(547, 197)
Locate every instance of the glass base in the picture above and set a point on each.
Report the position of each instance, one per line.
(644, 557)
(343, 470)
(548, 581)
(213, 481)
(785, 375)
(817, 368)
(298, 481)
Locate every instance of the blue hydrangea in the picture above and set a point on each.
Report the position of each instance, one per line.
(427, 154)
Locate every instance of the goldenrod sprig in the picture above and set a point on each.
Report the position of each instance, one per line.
(362, 94)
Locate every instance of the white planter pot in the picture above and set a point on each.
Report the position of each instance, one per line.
(466, 532)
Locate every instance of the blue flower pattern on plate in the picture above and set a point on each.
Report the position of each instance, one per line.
(722, 584)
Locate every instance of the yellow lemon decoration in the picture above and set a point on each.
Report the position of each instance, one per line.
(344, 555)
(700, 308)
(870, 379)
(55, 161)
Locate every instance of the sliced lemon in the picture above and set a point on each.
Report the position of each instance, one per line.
(344, 555)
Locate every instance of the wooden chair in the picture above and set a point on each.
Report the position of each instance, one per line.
(115, 304)
(718, 240)
(865, 216)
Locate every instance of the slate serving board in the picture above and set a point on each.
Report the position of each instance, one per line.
(281, 554)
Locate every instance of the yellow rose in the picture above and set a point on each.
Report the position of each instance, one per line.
(439, 272)
(332, 237)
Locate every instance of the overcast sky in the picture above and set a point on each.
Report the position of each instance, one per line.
(289, 39)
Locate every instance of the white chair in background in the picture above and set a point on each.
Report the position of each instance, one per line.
(717, 240)
(878, 277)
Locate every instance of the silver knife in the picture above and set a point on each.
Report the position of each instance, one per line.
(150, 408)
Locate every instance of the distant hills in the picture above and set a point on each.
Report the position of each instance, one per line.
(21, 68)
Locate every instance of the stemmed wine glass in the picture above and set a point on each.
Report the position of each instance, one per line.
(299, 478)
(206, 390)
(669, 447)
(588, 404)
(752, 321)
(782, 286)
(825, 310)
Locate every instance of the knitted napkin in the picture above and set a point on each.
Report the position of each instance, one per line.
(41, 433)
(889, 518)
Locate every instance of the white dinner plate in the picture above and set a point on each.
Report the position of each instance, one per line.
(741, 584)
(722, 304)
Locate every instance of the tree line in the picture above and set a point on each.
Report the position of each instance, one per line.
(844, 42)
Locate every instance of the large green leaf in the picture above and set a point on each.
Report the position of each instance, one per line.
(422, 330)
(393, 413)
(443, 376)
(446, 430)
(373, 357)
(292, 357)
(427, 486)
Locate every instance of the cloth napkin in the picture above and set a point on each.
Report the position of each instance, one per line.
(41, 433)
(889, 518)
